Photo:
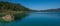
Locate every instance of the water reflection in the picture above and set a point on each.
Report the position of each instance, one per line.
(17, 16)
(20, 16)
(35, 19)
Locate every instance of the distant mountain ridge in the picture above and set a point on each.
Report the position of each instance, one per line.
(52, 10)
(49, 10)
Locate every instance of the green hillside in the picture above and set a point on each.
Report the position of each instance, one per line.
(12, 6)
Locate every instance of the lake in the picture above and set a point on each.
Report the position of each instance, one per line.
(37, 19)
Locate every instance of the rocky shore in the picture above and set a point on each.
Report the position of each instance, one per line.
(8, 17)
(11, 16)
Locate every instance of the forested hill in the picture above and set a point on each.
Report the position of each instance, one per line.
(12, 6)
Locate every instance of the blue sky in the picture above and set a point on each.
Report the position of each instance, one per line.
(38, 4)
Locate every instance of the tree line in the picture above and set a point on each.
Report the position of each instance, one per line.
(12, 6)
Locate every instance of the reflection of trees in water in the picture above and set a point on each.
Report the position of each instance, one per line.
(18, 16)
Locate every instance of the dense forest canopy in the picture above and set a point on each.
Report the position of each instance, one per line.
(12, 6)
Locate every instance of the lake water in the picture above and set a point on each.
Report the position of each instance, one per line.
(37, 19)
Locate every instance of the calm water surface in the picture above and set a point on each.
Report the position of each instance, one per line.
(37, 19)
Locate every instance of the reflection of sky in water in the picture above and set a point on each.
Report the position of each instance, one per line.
(38, 19)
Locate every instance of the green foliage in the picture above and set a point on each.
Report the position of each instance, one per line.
(12, 6)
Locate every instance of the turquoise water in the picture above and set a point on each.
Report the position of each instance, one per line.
(37, 19)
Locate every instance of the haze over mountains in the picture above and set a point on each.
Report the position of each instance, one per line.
(48, 10)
